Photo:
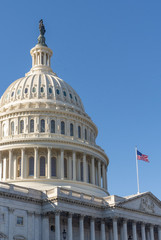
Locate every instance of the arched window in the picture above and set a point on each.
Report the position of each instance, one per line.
(79, 132)
(62, 127)
(53, 167)
(31, 166)
(19, 167)
(22, 126)
(81, 171)
(42, 166)
(71, 130)
(12, 128)
(65, 168)
(32, 125)
(42, 125)
(52, 127)
(85, 133)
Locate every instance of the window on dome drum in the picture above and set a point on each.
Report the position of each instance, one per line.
(53, 167)
(65, 168)
(31, 166)
(57, 91)
(41, 89)
(32, 125)
(76, 98)
(12, 94)
(79, 132)
(81, 171)
(12, 128)
(71, 96)
(19, 220)
(19, 167)
(18, 91)
(22, 126)
(42, 125)
(64, 92)
(85, 134)
(62, 127)
(26, 90)
(52, 126)
(50, 90)
(42, 166)
(33, 89)
(71, 130)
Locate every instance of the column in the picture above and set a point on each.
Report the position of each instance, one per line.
(44, 58)
(0, 166)
(31, 225)
(134, 232)
(69, 173)
(57, 225)
(74, 166)
(103, 171)
(22, 163)
(151, 232)
(99, 173)
(40, 62)
(84, 168)
(78, 170)
(37, 227)
(92, 228)
(49, 163)
(115, 231)
(45, 227)
(70, 230)
(125, 230)
(62, 164)
(110, 233)
(11, 223)
(159, 232)
(93, 170)
(143, 231)
(15, 168)
(4, 168)
(106, 178)
(10, 164)
(81, 227)
(36, 162)
(103, 235)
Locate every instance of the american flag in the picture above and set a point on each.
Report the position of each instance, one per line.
(141, 156)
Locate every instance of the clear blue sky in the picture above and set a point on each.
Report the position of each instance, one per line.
(110, 53)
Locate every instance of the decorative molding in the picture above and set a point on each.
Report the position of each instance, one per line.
(147, 205)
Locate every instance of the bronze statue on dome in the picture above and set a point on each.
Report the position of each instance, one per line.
(41, 38)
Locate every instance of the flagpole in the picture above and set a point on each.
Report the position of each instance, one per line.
(137, 172)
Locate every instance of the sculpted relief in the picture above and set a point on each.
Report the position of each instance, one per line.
(147, 205)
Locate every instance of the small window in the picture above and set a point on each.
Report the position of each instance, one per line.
(65, 167)
(32, 125)
(19, 220)
(81, 171)
(52, 130)
(42, 89)
(53, 167)
(26, 90)
(31, 166)
(19, 167)
(71, 96)
(22, 126)
(12, 128)
(71, 130)
(18, 91)
(57, 91)
(12, 94)
(79, 132)
(85, 133)
(64, 92)
(50, 90)
(76, 99)
(42, 128)
(62, 127)
(33, 89)
(42, 166)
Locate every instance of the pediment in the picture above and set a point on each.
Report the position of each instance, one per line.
(147, 203)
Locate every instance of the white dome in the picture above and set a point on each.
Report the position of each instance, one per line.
(39, 87)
